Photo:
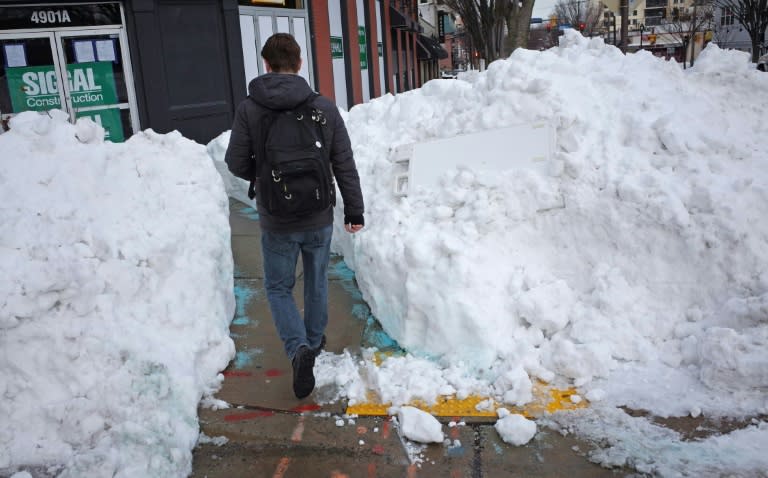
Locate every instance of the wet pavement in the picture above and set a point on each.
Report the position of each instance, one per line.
(270, 433)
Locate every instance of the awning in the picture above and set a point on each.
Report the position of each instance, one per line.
(396, 19)
(430, 49)
(400, 21)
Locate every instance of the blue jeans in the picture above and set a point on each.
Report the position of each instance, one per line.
(281, 253)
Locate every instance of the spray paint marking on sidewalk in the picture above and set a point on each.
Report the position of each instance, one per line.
(244, 358)
(236, 373)
(243, 297)
(236, 417)
(249, 212)
(282, 467)
(298, 432)
(271, 373)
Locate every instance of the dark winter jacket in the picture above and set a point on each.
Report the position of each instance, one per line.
(278, 91)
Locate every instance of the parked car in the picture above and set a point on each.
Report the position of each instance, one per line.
(762, 63)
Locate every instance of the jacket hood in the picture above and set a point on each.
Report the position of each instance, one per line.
(279, 91)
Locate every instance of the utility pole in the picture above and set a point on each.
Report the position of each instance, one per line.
(695, 23)
(624, 12)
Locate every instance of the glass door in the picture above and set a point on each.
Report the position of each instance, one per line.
(99, 82)
(86, 73)
(29, 74)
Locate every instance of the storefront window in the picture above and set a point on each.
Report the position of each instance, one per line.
(295, 4)
(27, 63)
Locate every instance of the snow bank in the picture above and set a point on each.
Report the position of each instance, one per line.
(643, 250)
(116, 286)
(236, 188)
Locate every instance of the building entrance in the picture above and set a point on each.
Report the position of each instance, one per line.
(258, 23)
(68, 57)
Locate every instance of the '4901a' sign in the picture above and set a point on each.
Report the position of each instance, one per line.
(50, 16)
(56, 16)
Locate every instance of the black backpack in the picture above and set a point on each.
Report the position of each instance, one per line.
(295, 176)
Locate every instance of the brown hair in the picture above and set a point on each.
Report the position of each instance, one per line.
(282, 53)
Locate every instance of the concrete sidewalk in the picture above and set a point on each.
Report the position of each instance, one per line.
(272, 434)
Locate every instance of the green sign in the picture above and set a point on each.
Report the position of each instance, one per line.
(36, 88)
(363, 48)
(337, 48)
(33, 88)
(92, 84)
(110, 120)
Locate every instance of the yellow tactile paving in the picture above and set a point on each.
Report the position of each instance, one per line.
(546, 399)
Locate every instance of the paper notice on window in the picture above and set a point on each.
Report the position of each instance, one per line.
(15, 55)
(105, 50)
(84, 51)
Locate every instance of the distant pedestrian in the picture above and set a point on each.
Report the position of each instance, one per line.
(295, 206)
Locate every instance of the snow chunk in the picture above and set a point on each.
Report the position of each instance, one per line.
(419, 426)
(515, 429)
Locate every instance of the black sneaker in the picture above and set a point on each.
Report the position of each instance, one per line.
(319, 347)
(303, 373)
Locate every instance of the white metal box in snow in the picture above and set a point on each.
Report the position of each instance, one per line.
(525, 146)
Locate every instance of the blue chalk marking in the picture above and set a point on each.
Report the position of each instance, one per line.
(339, 270)
(346, 277)
(374, 336)
(498, 449)
(243, 296)
(245, 357)
(250, 213)
(455, 451)
(361, 311)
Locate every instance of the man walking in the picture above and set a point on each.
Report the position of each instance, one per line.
(288, 231)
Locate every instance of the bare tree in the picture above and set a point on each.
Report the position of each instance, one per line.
(518, 18)
(684, 23)
(753, 16)
(484, 22)
(584, 15)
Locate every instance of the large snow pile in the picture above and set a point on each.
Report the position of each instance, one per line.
(638, 269)
(115, 298)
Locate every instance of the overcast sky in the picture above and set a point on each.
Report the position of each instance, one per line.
(542, 8)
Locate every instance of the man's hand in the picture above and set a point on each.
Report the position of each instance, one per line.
(352, 224)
